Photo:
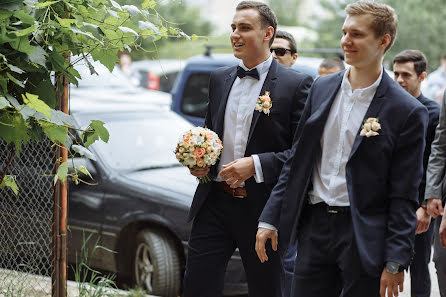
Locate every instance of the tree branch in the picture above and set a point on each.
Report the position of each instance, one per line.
(11, 156)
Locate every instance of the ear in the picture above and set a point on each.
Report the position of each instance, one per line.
(295, 57)
(422, 76)
(269, 33)
(385, 40)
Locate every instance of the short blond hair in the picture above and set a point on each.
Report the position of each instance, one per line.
(384, 21)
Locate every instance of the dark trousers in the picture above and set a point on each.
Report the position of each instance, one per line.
(420, 280)
(223, 224)
(327, 263)
(439, 259)
(288, 266)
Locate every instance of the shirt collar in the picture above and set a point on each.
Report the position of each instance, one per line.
(262, 67)
(365, 92)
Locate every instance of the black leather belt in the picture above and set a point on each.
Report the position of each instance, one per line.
(331, 209)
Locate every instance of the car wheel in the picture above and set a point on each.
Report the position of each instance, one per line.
(157, 264)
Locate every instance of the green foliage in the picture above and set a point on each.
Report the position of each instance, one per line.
(420, 25)
(9, 181)
(180, 19)
(37, 38)
(286, 11)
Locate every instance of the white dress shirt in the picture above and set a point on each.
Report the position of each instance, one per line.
(341, 128)
(240, 107)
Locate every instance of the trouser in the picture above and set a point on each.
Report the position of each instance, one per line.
(439, 259)
(420, 280)
(288, 264)
(223, 224)
(327, 263)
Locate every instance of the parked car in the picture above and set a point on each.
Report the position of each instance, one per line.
(139, 207)
(190, 91)
(105, 86)
(156, 75)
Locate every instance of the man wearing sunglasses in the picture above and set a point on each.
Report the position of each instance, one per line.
(284, 49)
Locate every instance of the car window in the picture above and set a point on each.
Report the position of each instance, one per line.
(137, 143)
(195, 96)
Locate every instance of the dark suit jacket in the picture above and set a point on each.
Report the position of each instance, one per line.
(269, 136)
(433, 109)
(383, 173)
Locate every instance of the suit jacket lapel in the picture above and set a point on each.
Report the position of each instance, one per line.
(268, 85)
(373, 110)
(229, 81)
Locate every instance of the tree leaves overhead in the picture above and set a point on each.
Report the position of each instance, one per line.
(37, 38)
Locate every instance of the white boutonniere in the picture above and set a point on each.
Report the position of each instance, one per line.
(264, 103)
(370, 127)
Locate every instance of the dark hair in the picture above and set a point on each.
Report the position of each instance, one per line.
(417, 57)
(267, 16)
(384, 21)
(290, 38)
(330, 63)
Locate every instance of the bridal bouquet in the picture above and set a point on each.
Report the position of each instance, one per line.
(198, 147)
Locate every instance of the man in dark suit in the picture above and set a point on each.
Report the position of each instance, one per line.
(226, 211)
(409, 68)
(349, 191)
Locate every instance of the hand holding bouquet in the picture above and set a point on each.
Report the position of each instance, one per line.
(198, 147)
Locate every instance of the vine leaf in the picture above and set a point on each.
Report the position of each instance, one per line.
(96, 131)
(4, 103)
(33, 102)
(62, 173)
(83, 152)
(9, 181)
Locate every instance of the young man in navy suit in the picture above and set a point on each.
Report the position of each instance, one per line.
(409, 68)
(349, 190)
(225, 211)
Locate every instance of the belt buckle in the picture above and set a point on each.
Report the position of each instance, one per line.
(332, 211)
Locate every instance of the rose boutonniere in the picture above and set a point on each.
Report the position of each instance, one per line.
(264, 103)
(370, 127)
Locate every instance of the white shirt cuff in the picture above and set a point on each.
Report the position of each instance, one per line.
(258, 167)
(267, 226)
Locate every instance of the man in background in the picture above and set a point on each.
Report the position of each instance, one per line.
(409, 68)
(330, 65)
(284, 48)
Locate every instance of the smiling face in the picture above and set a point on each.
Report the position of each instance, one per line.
(362, 49)
(288, 59)
(406, 77)
(250, 42)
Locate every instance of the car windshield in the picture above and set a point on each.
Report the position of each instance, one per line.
(142, 143)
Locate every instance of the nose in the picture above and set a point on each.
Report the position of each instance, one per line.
(345, 40)
(399, 78)
(234, 34)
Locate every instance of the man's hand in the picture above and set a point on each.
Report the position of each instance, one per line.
(423, 220)
(434, 207)
(200, 172)
(262, 236)
(392, 283)
(236, 172)
(443, 231)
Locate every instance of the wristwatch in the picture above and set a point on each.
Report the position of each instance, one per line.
(394, 268)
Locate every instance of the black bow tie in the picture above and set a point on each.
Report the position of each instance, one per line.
(241, 73)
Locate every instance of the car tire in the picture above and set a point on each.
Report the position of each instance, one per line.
(157, 264)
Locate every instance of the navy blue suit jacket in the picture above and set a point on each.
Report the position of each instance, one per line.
(383, 173)
(269, 136)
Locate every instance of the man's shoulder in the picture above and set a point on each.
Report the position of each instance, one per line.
(431, 105)
(395, 94)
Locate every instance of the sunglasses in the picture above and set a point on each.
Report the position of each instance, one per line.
(280, 51)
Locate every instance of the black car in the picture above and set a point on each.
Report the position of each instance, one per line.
(139, 207)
